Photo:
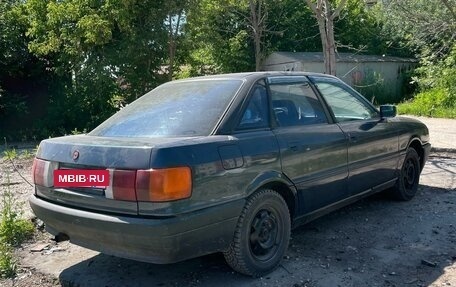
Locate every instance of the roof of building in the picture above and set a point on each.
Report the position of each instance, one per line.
(277, 58)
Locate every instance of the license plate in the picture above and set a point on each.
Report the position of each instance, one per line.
(97, 178)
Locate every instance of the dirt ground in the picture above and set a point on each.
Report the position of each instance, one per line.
(375, 242)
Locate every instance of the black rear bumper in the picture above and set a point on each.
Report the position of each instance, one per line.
(155, 240)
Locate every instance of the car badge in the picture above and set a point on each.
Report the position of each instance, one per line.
(75, 155)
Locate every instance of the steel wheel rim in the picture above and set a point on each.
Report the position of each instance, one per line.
(409, 175)
(264, 237)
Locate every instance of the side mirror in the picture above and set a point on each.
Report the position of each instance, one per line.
(388, 111)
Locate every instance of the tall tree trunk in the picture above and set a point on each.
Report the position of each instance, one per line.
(330, 40)
(173, 32)
(257, 21)
(325, 19)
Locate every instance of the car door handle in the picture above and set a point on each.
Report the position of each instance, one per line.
(293, 146)
(352, 138)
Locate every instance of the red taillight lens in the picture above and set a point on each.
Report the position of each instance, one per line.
(123, 185)
(40, 172)
(164, 184)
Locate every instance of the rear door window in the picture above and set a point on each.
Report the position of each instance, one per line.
(295, 103)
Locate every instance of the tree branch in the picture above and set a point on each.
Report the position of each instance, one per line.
(450, 8)
(312, 6)
(339, 9)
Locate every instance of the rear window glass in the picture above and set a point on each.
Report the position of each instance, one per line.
(175, 109)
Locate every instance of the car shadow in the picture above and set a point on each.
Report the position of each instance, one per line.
(374, 240)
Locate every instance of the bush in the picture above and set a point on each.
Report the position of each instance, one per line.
(437, 82)
(431, 103)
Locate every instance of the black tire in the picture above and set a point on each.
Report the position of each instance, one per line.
(409, 177)
(261, 236)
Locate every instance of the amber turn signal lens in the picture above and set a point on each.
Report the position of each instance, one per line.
(164, 184)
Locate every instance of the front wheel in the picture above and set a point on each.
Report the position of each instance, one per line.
(409, 177)
(261, 236)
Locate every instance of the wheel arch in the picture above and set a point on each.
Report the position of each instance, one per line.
(281, 184)
(417, 145)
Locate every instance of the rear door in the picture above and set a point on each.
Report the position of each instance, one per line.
(313, 149)
(373, 144)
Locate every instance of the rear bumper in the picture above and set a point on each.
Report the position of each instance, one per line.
(155, 240)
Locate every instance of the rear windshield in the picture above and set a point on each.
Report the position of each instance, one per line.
(175, 109)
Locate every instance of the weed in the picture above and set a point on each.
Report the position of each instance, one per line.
(13, 229)
(10, 154)
(28, 154)
(7, 262)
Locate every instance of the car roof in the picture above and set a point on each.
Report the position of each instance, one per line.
(256, 75)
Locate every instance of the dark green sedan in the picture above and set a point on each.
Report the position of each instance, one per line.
(226, 163)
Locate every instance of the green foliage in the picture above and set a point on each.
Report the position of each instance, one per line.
(7, 262)
(68, 65)
(28, 154)
(437, 82)
(13, 229)
(295, 28)
(428, 104)
(18, 70)
(360, 30)
(10, 154)
(78, 132)
(218, 37)
(429, 27)
(101, 55)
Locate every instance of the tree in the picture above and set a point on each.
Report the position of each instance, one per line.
(429, 28)
(23, 77)
(174, 22)
(231, 34)
(257, 23)
(325, 16)
(218, 38)
(108, 53)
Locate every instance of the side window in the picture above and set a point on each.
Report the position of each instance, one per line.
(296, 104)
(345, 106)
(256, 115)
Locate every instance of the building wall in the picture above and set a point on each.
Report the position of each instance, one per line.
(383, 80)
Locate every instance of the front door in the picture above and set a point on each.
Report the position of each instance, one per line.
(373, 143)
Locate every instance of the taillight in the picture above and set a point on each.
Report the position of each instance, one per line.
(157, 185)
(163, 184)
(123, 185)
(43, 172)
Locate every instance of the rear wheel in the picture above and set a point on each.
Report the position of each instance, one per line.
(407, 183)
(261, 236)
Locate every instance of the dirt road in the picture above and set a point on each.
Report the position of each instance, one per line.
(375, 242)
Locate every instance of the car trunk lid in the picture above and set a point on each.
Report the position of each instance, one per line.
(120, 156)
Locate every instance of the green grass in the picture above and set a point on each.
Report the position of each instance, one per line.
(433, 103)
(410, 108)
